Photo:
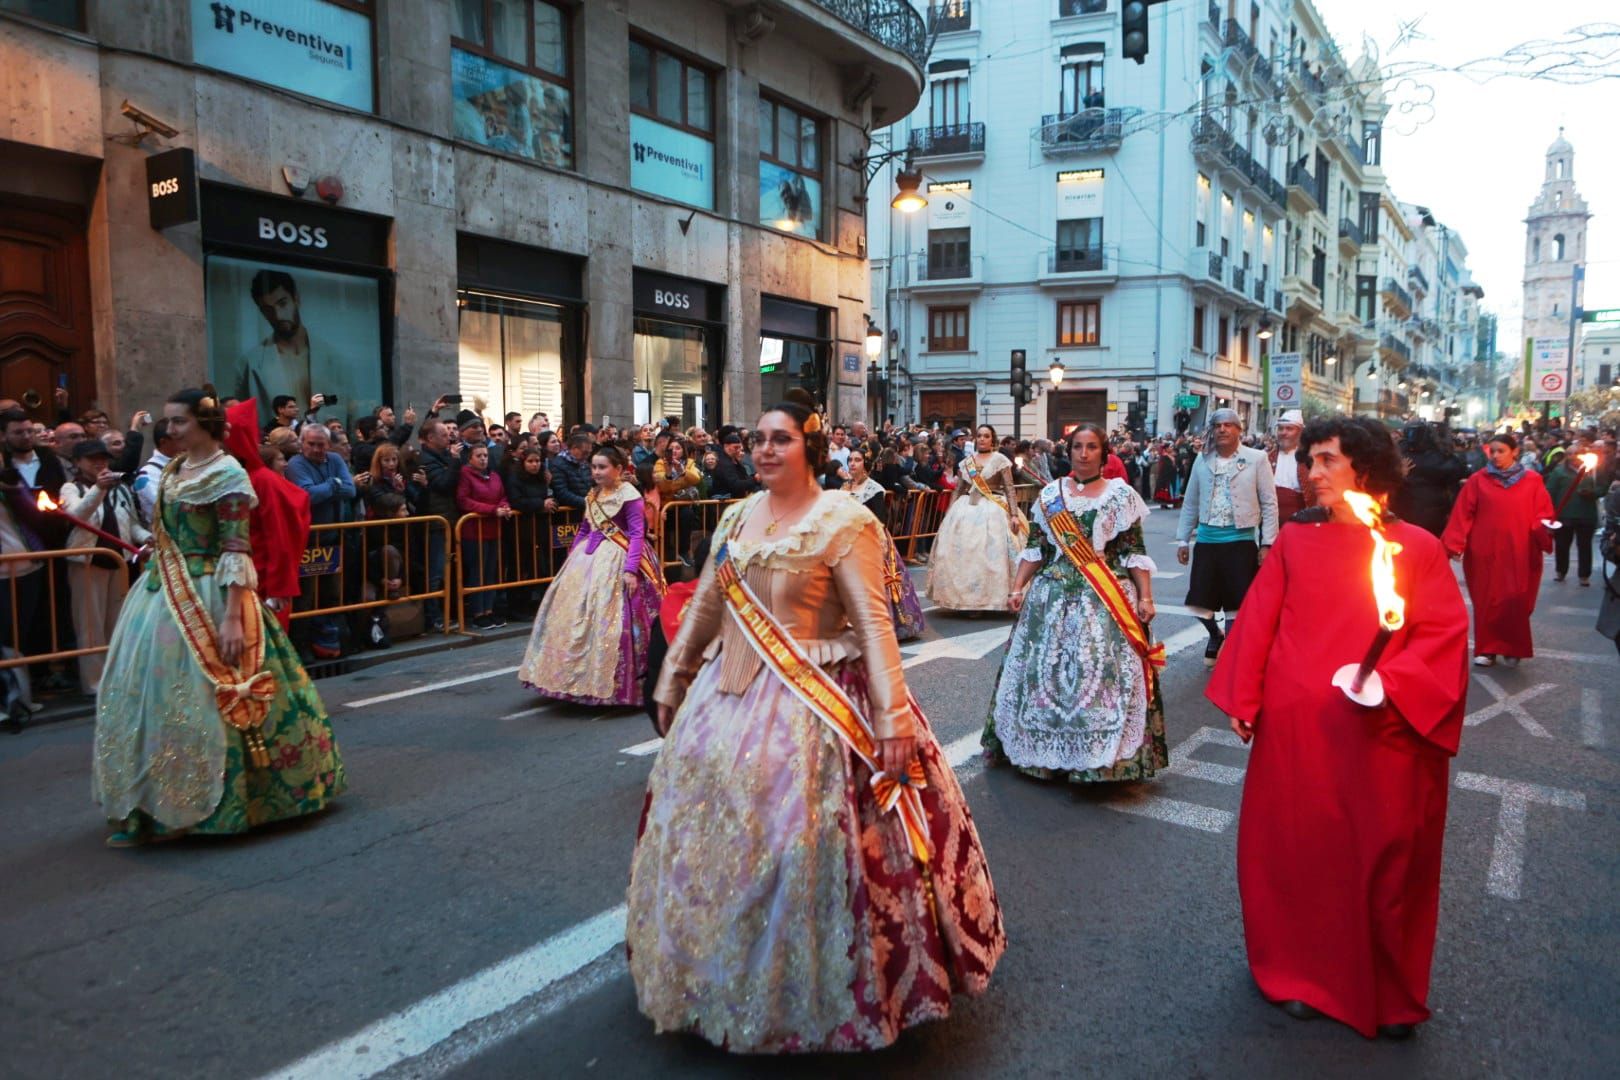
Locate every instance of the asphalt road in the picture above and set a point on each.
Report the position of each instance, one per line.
(455, 912)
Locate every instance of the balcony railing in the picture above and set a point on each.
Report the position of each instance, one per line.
(1392, 288)
(1261, 288)
(1391, 343)
(1349, 230)
(1276, 300)
(1217, 265)
(1308, 81)
(948, 139)
(1215, 15)
(1067, 8)
(1301, 177)
(1209, 135)
(1075, 260)
(947, 266)
(1238, 41)
(891, 23)
(1355, 150)
(1240, 278)
(1088, 129)
(951, 15)
(1418, 278)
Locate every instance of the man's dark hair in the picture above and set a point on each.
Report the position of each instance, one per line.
(509, 417)
(580, 438)
(1368, 445)
(367, 427)
(266, 282)
(11, 416)
(281, 399)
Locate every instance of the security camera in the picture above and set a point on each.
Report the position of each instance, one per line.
(147, 121)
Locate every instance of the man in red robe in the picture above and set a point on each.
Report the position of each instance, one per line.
(279, 526)
(1344, 805)
(1496, 528)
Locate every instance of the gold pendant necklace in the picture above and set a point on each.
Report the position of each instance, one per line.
(770, 530)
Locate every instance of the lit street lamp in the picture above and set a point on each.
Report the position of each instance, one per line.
(1055, 372)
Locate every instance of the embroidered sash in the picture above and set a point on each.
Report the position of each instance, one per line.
(244, 692)
(648, 564)
(778, 650)
(975, 475)
(1071, 540)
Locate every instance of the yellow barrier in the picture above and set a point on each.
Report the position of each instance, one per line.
(690, 517)
(530, 550)
(402, 542)
(46, 588)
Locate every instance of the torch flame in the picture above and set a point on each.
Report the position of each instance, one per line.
(45, 502)
(1391, 605)
(1588, 461)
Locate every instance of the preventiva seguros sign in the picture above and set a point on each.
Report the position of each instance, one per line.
(307, 46)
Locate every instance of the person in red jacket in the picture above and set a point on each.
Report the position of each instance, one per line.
(278, 528)
(480, 491)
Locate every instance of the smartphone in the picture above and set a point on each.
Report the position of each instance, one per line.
(451, 399)
(61, 381)
(329, 399)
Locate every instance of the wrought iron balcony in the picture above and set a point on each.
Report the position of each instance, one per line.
(1392, 344)
(891, 23)
(1209, 136)
(951, 15)
(1088, 129)
(1402, 299)
(1356, 152)
(1065, 260)
(1276, 300)
(1306, 181)
(1309, 82)
(1217, 265)
(1067, 8)
(948, 140)
(1215, 15)
(1418, 279)
(1261, 288)
(1349, 230)
(1240, 278)
(1236, 39)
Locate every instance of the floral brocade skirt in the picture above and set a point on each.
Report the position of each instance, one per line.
(589, 641)
(907, 612)
(773, 908)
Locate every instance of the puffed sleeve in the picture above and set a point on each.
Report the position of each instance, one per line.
(858, 577)
(235, 563)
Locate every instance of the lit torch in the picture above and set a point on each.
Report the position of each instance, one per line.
(1360, 682)
(1588, 463)
(48, 505)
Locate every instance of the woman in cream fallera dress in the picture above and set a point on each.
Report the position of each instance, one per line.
(976, 552)
(773, 906)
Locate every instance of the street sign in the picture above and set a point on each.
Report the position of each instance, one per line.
(1602, 315)
(1287, 386)
(1187, 401)
(1549, 371)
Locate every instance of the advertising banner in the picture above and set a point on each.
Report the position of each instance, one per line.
(507, 110)
(275, 329)
(948, 204)
(321, 559)
(1080, 194)
(307, 46)
(669, 162)
(1287, 386)
(788, 200)
(1549, 370)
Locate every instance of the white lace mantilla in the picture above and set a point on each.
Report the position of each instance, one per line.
(1118, 507)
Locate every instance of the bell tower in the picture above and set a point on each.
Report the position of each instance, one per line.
(1554, 243)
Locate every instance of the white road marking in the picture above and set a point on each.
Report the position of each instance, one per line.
(643, 749)
(1591, 718)
(1184, 639)
(974, 646)
(1564, 609)
(426, 688)
(1168, 575)
(1506, 872)
(1182, 763)
(521, 713)
(434, 1019)
(1510, 704)
(1575, 657)
(1174, 811)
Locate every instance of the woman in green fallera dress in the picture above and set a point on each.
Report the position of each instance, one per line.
(1075, 700)
(206, 722)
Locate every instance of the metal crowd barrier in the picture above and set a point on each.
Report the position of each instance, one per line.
(680, 520)
(334, 585)
(528, 553)
(40, 638)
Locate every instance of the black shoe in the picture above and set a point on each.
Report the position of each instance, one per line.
(1559, 578)
(1300, 1011)
(435, 626)
(1397, 1032)
(483, 622)
(10, 724)
(497, 621)
(1213, 650)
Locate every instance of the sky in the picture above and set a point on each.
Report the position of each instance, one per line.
(1478, 159)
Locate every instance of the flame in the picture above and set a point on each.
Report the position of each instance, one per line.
(1588, 461)
(1391, 605)
(45, 502)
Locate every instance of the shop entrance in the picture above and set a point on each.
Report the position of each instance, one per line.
(948, 409)
(1068, 408)
(679, 338)
(45, 333)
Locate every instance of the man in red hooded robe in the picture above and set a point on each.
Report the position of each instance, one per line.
(279, 527)
(1344, 804)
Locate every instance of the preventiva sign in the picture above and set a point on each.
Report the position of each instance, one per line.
(307, 46)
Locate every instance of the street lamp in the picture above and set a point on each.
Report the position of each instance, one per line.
(909, 198)
(1056, 372)
(1265, 328)
(874, 340)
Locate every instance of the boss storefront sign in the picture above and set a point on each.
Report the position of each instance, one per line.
(269, 224)
(171, 187)
(660, 294)
(307, 46)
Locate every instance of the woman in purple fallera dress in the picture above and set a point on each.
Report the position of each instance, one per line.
(589, 642)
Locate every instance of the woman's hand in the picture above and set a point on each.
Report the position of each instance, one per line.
(1241, 730)
(419, 478)
(1015, 600)
(666, 717)
(1145, 609)
(895, 755)
(630, 581)
(398, 480)
(362, 480)
(230, 638)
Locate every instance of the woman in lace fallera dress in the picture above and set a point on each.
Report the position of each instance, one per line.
(205, 721)
(589, 642)
(903, 603)
(786, 893)
(971, 566)
(1078, 692)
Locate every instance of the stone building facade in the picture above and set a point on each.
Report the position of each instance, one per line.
(623, 208)
(1554, 243)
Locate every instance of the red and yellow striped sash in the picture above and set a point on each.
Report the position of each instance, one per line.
(778, 650)
(1071, 540)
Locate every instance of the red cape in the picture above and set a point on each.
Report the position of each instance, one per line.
(279, 527)
(1344, 807)
(1499, 533)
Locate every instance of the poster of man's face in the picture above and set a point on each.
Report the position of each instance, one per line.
(290, 330)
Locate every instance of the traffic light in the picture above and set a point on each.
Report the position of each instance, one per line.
(1133, 28)
(1020, 377)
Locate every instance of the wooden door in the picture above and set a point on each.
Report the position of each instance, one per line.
(45, 333)
(948, 408)
(1066, 408)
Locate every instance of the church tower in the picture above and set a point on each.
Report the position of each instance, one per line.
(1554, 243)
